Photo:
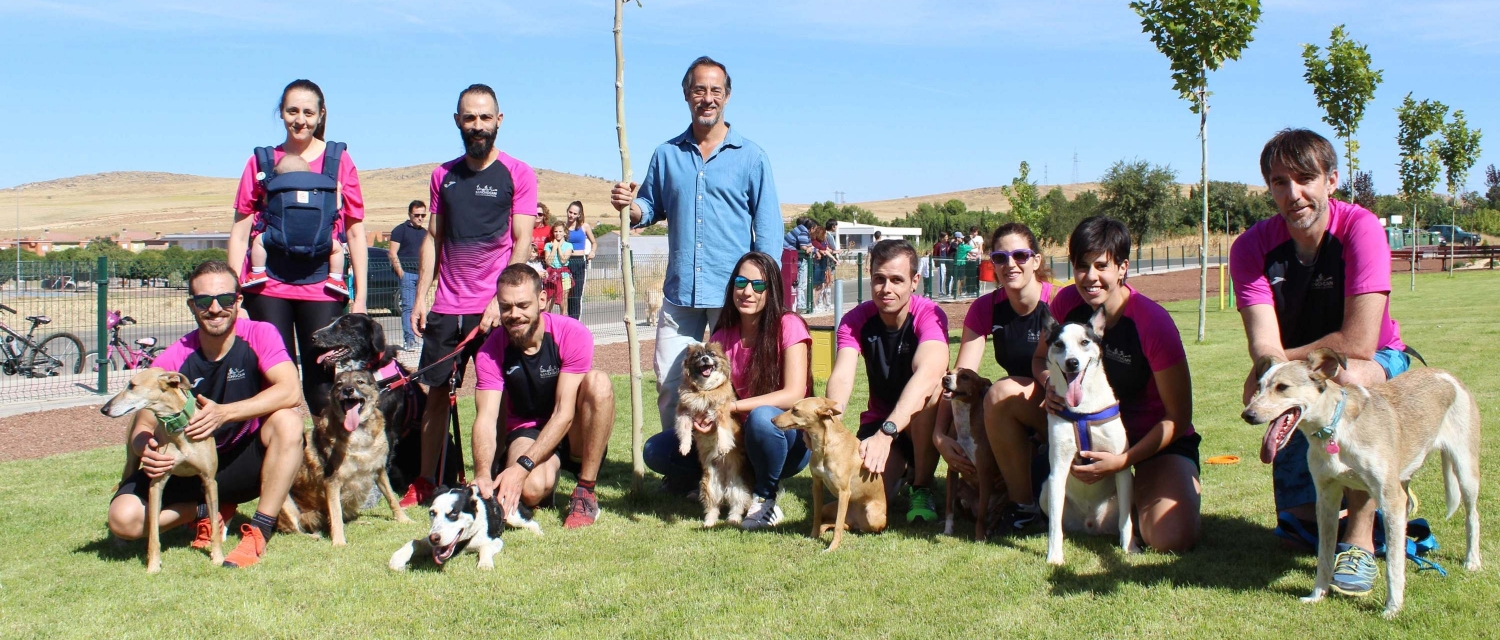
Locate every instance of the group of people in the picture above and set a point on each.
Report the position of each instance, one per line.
(809, 255)
(955, 262)
(1316, 275)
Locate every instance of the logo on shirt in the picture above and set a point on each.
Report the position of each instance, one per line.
(994, 328)
(1322, 282)
(513, 368)
(1277, 280)
(449, 183)
(547, 371)
(486, 191)
(1117, 355)
(197, 382)
(235, 374)
(1034, 335)
(872, 339)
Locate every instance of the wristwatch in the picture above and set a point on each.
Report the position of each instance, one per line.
(888, 428)
(526, 463)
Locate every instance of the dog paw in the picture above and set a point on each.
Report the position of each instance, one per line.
(340, 542)
(1390, 613)
(402, 517)
(1312, 597)
(1472, 565)
(1055, 560)
(396, 566)
(486, 565)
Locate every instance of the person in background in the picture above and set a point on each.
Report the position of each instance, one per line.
(406, 251)
(555, 256)
(942, 256)
(581, 236)
(960, 264)
(541, 234)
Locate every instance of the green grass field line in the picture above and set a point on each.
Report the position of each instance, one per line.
(648, 570)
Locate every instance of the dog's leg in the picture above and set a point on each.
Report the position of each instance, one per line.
(684, 433)
(1329, 496)
(1465, 474)
(1393, 503)
(982, 513)
(384, 480)
(336, 513)
(153, 524)
(840, 516)
(1124, 501)
(817, 507)
(708, 495)
(487, 553)
(402, 556)
(215, 521)
(951, 501)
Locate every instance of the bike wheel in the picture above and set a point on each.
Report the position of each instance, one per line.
(150, 357)
(60, 353)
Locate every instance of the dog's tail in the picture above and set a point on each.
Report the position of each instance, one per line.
(1459, 421)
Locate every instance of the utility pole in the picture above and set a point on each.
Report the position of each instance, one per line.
(1045, 179)
(1075, 165)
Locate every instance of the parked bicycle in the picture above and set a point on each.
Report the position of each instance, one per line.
(57, 354)
(123, 356)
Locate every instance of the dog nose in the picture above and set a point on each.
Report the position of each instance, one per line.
(434, 538)
(1072, 364)
(1248, 416)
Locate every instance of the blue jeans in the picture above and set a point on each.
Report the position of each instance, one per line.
(774, 454)
(408, 299)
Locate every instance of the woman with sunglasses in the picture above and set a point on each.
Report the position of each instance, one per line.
(298, 310)
(1013, 317)
(768, 348)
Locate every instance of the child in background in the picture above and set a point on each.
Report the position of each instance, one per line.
(559, 280)
(291, 163)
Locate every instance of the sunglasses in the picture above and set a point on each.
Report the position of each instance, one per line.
(758, 286)
(1019, 255)
(204, 301)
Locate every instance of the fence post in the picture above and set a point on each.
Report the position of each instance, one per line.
(101, 361)
(859, 288)
(927, 282)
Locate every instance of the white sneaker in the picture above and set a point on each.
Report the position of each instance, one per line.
(763, 513)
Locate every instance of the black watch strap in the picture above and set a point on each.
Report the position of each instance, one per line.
(526, 463)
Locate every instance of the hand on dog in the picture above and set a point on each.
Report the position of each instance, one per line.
(508, 491)
(1054, 404)
(1103, 466)
(155, 463)
(954, 455)
(875, 450)
(210, 416)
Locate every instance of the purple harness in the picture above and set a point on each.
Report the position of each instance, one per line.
(1081, 422)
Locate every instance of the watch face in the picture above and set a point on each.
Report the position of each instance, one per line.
(888, 428)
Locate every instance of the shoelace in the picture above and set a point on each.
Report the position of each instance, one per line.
(1356, 561)
(578, 505)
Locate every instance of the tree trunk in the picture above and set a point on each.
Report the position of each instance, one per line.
(1452, 233)
(1203, 248)
(1414, 243)
(637, 461)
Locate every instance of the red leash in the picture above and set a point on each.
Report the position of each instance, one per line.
(399, 381)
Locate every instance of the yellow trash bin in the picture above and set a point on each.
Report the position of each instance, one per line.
(822, 351)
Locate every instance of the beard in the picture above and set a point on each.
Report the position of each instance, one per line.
(478, 143)
(1320, 212)
(216, 332)
(524, 330)
(709, 121)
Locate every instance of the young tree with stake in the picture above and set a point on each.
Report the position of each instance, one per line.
(1343, 84)
(637, 462)
(1458, 150)
(1419, 160)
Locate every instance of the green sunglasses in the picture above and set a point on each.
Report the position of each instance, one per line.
(204, 301)
(758, 286)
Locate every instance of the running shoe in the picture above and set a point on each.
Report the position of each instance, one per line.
(583, 509)
(923, 506)
(1354, 571)
(1015, 520)
(256, 279)
(763, 513)
(203, 530)
(251, 549)
(336, 285)
(418, 492)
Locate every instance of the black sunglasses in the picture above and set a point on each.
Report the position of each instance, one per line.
(204, 301)
(1019, 255)
(758, 286)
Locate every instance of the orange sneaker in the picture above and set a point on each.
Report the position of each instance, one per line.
(583, 509)
(418, 492)
(203, 530)
(250, 550)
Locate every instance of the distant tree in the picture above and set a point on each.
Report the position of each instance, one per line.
(1026, 204)
(1231, 203)
(1063, 215)
(1343, 83)
(823, 211)
(1492, 186)
(1420, 163)
(1197, 36)
(1360, 189)
(1141, 195)
(1459, 150)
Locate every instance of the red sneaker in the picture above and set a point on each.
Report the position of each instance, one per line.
(251, 549)
(418, 492)
(583, 509)
(203, 531)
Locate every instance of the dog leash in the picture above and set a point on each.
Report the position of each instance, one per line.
(1081, 422)
(176, 423)
(398, 381)
(458, 439)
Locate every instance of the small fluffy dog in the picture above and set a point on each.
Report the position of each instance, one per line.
(654, 296)
(1371, 439)
(836, 466)
(462, 520)
(168, 395)
(1091, 423)
(703, 419)
(345, 454)
(965, 391)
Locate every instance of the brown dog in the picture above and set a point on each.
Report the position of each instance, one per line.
(168, 394)
(344, 456)
(703, 418)
(837, 466)
(965, 391)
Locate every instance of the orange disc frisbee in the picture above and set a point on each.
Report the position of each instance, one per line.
(1223, 460)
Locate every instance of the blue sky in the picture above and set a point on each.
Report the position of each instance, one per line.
(875, 98)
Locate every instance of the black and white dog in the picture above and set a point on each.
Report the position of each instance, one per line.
(462, 520)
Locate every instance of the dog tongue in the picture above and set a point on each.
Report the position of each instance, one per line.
(1272, 441)
(351, 417)
(1075, 391)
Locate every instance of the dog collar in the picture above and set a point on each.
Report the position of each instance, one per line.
(1327, 432)
(1081, 422)
(175, 423)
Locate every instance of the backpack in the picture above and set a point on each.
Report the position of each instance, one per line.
(298, 217)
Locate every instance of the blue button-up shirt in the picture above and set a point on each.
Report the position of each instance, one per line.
(717, 210)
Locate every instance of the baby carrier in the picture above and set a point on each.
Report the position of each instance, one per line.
(298, 217)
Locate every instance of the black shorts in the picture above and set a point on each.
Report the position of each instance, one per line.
(564, 451)
(902, 443)
(238, 477)
(442, 336)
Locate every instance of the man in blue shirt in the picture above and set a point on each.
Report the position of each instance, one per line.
(406, 251)
(794, 245)
(714, 189)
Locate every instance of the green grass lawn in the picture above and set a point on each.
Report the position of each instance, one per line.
(647, 569)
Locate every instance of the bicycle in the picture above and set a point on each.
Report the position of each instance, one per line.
(122, 356)
(58, 354)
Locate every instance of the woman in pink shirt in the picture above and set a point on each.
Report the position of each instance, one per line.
(768, 348)
(299, 310)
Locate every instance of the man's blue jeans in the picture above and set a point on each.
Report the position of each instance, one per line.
(774, 454)
(408, 299)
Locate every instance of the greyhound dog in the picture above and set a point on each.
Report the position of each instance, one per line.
(1371, 439)
(169, 396)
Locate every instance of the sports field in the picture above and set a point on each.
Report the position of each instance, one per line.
(647, 569)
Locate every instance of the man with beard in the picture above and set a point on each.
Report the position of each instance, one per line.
(714, 189)
(247, 395)
(483, 206)
(1317, 275)
(536, 386)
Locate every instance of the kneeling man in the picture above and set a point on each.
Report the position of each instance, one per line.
(247, 393)
(537, 387)
(904, 340)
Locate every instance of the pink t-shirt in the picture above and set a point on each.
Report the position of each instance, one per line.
(477, 211)
(793, 331)
(977, 318)
(248, 201)
(258, 346)
(575, 354)
(889, 354)
(1353, 259)
(1143, 342)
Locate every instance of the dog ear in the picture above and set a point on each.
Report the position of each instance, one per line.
(1096, 321)
(1324, 364)
(1051, 328)
(1264, 364)
(829, 409)
(177, 380)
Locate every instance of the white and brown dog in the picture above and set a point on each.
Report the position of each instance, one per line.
(703, 419)
(1090, 423)
(1371, 439)
(965, 391)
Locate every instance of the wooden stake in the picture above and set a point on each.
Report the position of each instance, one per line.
(637, 460)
